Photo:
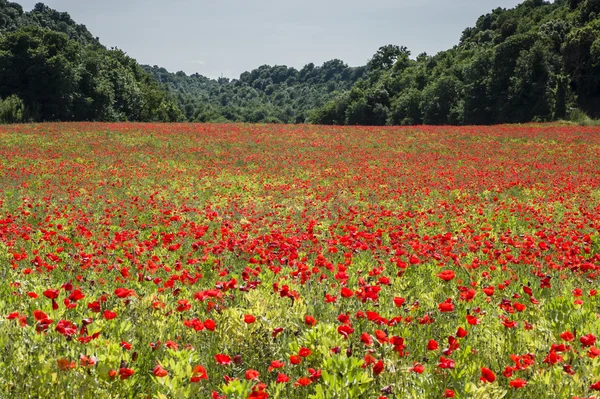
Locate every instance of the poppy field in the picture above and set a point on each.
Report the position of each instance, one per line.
(270, 261)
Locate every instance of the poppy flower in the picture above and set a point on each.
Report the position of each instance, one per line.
(276, 331)
(447, 275)
(222, 360)
(487, 375)
(295, 359)
(345, 331)
(446, 306)
(567, 336)
(446, 363)
(276, 364)
(87, 361)
(593, 352)
(109, 315)
(518, 383)
(381, 336)
(432, 345)
(210, 325)
(258, 394)
(159, 371)
(448, 393)
(366, 339)
(398, 302)
(51, 293)
(249, 319)
(310, 321)
(378, 367)
(282, 378)
(418, 368)
(252, 374)
(304, 352)
(314, 374)
(588, 340)
(198, 374)
(125, 373)
(303, 381)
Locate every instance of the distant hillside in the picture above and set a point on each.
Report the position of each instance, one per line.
(266, 94)
(539, 61)
(52, 69)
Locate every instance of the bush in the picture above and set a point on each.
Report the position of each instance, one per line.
(12, 110)
(576, 115)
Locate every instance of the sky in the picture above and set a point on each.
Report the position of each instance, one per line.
(228, 37)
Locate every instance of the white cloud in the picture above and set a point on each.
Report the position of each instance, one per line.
(198, 62)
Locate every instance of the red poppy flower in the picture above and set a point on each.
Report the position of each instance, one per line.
(447, 275)
(252, 374)
(518, 383)
(304, 352)
(210, 325)
(432, 345)
(125, 373)
(398, 302)
(487, 375)
(303, 381)
(366, 339)
(295, 359)
(223, 360)
(249, 319)
(378, 367)
(310, 321)
(109, 315)
(198, 373)
(159, 371)
(446, 363)
(588, 340)
(418, 368)
(446, 306)
(567, 336)
(345, 331)
(51, 293)
(276, 364)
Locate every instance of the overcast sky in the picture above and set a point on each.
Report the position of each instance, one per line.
(214, 37)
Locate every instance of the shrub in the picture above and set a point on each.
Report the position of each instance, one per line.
(12, 110)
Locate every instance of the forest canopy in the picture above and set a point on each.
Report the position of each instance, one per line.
(539, 61)
(53, 69)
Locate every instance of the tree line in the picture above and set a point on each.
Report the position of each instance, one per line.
(52, 69)
(539, 61)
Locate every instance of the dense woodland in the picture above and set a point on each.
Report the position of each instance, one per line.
(539, 61)
(52, 69)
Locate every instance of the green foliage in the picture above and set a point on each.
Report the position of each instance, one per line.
(60, 72)
(343, 377)
(529, 63)
(12, 110)
(271, 94)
